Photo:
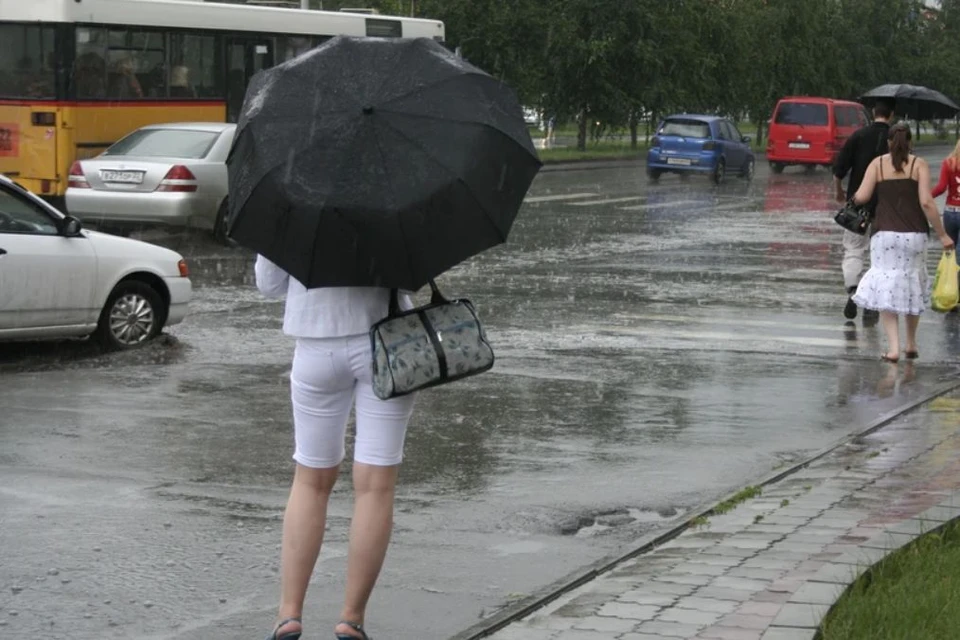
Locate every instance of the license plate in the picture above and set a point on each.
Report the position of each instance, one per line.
(683, 162)
(128, 177)
(799, 145)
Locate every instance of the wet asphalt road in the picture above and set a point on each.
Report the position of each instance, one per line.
(658, 346)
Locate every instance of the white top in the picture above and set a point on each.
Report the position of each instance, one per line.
(326, 312)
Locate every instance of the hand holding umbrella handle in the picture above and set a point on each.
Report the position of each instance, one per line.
(435, 298)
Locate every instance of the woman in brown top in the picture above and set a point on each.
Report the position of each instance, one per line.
(896, 283)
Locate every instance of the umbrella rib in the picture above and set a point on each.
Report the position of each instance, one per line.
(445, 168)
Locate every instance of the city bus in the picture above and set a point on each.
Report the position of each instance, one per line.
(77, 75)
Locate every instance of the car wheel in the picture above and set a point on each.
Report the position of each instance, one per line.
(777, 167)
(719, 172)
(748, 170)
(220, 226)
(133, 315)
(653, 174)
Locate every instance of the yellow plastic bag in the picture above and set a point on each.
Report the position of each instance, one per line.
(946, 289)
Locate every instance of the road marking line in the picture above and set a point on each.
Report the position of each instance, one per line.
(568, 196)
(734, 321)
(664, 205)
(610, 201)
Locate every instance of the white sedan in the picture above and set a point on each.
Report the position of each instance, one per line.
(59, 280)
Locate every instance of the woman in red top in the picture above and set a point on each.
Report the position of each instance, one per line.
(950, 184)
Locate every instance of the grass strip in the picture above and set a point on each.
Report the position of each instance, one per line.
(913, 593)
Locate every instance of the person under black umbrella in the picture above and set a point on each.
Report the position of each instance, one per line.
(364, 165)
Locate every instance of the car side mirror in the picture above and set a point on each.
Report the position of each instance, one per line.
(70, 227)
(745, 139)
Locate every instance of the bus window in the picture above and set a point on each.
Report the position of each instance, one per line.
(120, 64)
(289, 47)
(384, 28)
(194, 69)
(27, 61)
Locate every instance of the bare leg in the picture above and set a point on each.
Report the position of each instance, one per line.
(912, 322)
(370, 530)
(303, 525)
(891, 327)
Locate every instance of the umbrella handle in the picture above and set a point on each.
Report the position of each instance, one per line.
(435, 298)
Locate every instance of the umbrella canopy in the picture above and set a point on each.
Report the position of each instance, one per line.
(914, 102)
(377, 162)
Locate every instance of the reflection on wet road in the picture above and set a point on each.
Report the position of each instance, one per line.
(657, 347)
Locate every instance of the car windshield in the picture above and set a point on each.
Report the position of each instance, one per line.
(165, 143)
(802, 113)
(685, 129)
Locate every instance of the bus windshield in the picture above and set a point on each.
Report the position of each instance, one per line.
(27, 62)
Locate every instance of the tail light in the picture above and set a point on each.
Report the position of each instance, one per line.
(710, 145)
(179, 180)
(655, 142)
(184, 269)
(76, 179)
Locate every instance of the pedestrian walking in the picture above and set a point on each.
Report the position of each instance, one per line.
(897, 283)
(950, 184)
(331, 373)
(857, 153)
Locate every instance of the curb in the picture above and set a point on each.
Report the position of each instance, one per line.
(591, 571)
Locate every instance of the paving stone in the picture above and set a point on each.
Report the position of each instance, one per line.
(755, 573)
(712, 559)
(913, 526)
(647, 598)
(764, 527)
(671, 629)
(798, 547)
(787, 633)
(580, 634)
(627, 611)
(551, 622)
(701, 568)
(671, 588)
(729, 552)
(801, 615)
(612, 625)
(645, 636)
(745, 621)
(740, 584)
(706, 604)
(835, 573)
(690, 542)
(862, 557)
(889, 541)
(519, 632)
(800, 537)
(719, 632)
(818, 593)
(722, 593)
(686, 578)
(745, 542)
(776, 518)
(778, 597)
(689, 616)
(763, 561)
(765, 609)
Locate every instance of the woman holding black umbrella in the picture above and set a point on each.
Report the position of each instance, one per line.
(332, 372)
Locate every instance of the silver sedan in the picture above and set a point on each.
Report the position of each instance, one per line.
(174, 174)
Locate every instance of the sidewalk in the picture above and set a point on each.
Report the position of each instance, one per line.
(770, 568)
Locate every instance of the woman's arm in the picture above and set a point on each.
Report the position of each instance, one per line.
(929, 206)
(865, 192)
(272, 281)
(944, 179)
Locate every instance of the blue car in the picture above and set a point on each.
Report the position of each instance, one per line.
(700, 144)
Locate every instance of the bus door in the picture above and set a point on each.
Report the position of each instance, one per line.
(245, 57)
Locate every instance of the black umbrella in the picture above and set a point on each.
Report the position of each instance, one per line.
(377, 162)
(913, 102)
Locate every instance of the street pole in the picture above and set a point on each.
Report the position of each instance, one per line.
(304, 4)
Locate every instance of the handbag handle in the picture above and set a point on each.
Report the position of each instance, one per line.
(435, 298)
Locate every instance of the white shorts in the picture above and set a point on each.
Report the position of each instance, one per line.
(328, 373)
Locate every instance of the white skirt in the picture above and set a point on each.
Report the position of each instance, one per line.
(897, 280)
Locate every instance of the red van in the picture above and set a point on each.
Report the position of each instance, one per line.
(810, 131)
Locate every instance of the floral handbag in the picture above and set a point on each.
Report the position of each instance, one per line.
(427, 346)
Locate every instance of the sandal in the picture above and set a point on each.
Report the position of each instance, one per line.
(912, 355)
(887, 358)
(290, 635)
(353, 625)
